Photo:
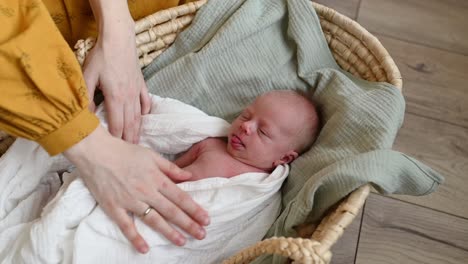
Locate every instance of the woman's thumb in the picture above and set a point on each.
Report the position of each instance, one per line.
(172, 171)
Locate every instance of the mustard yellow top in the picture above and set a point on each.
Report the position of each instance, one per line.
(43, 95)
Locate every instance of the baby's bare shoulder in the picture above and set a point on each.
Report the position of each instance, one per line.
(211, 143)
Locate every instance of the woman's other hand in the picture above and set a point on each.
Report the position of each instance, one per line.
(124, 178)
(112, 66)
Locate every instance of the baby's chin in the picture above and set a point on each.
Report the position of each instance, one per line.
(229, 149)
(237, 154)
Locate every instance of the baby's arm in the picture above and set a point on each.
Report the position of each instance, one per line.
(190, 156)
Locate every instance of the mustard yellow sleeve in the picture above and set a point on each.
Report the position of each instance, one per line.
(43, 96)
(82, 23)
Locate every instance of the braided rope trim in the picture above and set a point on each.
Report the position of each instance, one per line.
(166, 15)
(356, 46)
(353, 47)
(154, 33)
(298, 249)
(170, 27)
(356, 51)
(332, 227)
(3, 135)
(5, 142)
(317, 249)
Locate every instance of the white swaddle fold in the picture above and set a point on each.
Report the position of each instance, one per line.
(71, 228)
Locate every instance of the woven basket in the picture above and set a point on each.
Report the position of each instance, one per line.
(355, 50)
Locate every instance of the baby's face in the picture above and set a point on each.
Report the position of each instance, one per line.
(264, 132)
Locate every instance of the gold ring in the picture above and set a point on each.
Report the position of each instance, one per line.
(147, 211)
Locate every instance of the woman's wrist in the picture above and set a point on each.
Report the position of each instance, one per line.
(111, 29)
(112, 17)
(82, 153)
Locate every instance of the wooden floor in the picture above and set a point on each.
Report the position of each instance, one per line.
(428, 39)
(429, 42)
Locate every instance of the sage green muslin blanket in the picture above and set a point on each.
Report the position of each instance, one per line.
(235, 50)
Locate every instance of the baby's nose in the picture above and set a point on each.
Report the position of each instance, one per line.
(246, 127)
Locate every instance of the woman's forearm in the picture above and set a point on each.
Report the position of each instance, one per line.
(111, 16)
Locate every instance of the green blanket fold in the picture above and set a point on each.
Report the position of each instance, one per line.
(235, 50)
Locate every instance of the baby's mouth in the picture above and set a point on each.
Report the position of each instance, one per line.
(236, 142)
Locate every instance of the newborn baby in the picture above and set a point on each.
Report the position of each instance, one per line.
(273, 130)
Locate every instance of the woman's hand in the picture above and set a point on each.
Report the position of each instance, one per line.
(128, 178)
(112, 66)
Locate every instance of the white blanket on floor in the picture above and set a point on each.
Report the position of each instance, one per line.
(42, 221)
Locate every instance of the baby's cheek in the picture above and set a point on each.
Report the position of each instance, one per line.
(261, 157)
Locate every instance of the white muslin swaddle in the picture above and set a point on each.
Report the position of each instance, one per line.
(44, 221)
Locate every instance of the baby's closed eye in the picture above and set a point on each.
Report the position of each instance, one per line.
(263, 132)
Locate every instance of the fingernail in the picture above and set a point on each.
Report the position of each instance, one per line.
(201, 233)
(180, 241)
(205, 220)
(144, 248)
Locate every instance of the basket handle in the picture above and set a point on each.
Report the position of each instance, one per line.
(317, 249)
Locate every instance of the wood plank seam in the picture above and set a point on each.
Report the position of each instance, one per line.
(357, 10)
(375, 33)
(435, 119)
(419, 205)
(359, 232)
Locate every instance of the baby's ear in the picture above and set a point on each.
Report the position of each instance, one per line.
(287, 158)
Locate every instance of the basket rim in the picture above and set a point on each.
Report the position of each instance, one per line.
(365, 39)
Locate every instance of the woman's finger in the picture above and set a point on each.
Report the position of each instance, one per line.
(168, 210)
(115, 107)
(127, 226)
(154, 219)
(180, 198)
(129, 121)
(137, 118)
(145, 100)
(171, 170)
(92, 81)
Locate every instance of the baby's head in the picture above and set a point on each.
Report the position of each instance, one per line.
(274, 129)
